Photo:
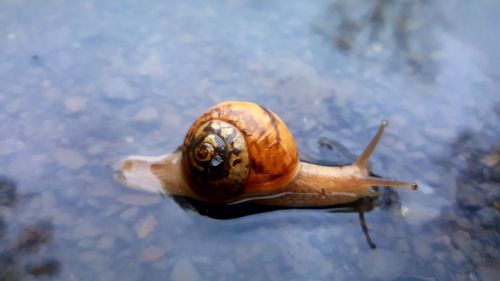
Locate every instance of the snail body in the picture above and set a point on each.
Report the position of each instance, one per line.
(240, 151)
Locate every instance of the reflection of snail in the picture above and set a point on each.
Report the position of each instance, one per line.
(239, 151)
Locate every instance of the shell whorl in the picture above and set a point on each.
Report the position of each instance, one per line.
(218, 160)
(238, 150)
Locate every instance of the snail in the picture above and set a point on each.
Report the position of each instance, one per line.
(240, 151)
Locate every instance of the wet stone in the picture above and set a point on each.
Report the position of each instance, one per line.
(226, 267)
(152, 254)
(146, 114)
(492, 251)
(457, 257)
(402, 246)
(89, 256)
(122, 232)
(202, 259)
(132, 271)
(354, 250)
(75, 104)
(492, 159)
(111, 210)
(33, 237)
(86, 243)
(308, 123)
(161, 264)
(471, 276)
(70, 159)
(86, 230)
(382, 264)
(439, 268)
(129, 214)
(477, 245)
(462, 239)
(489, 272)
(96, 149)
(463, 223)
(440, 256)
(350, 240)
(488, 217)
(469, 197)
(477, 258)
(446, 240)
(42, 268)
(309, 260)
(139, 200)
(413, 278)
(119, 88)
(146, 226)
(184, 270)
(7, 192)
(70, 193)
(423, 250)
(107, 275)
(172, 120)
(105, 242)
(10, 145)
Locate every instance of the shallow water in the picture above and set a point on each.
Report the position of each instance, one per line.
(84, 84)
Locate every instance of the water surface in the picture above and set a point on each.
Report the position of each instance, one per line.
(84, 84)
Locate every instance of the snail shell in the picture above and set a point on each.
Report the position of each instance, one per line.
(236, 149)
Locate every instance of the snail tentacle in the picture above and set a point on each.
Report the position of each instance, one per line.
(374, 181)
(367, 153)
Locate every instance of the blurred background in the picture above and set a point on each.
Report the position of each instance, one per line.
(84, 83)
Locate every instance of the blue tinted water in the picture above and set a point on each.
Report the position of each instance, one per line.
(86, 83)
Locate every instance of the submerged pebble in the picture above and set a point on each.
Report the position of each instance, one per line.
(106, 242)
(151, 254)
(489, 217)
(184, 270)
(382, 264)
(146, 226)
(423, 249)
(489, 272)
(139, 200)
(86, 230)
(70, 159)
(463, 240)
(75, 104)
(129, 214)
(48, 267)
(457, 257)
(146, 114)
(119, 88)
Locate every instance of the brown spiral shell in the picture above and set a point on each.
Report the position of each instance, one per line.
(237, 150)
